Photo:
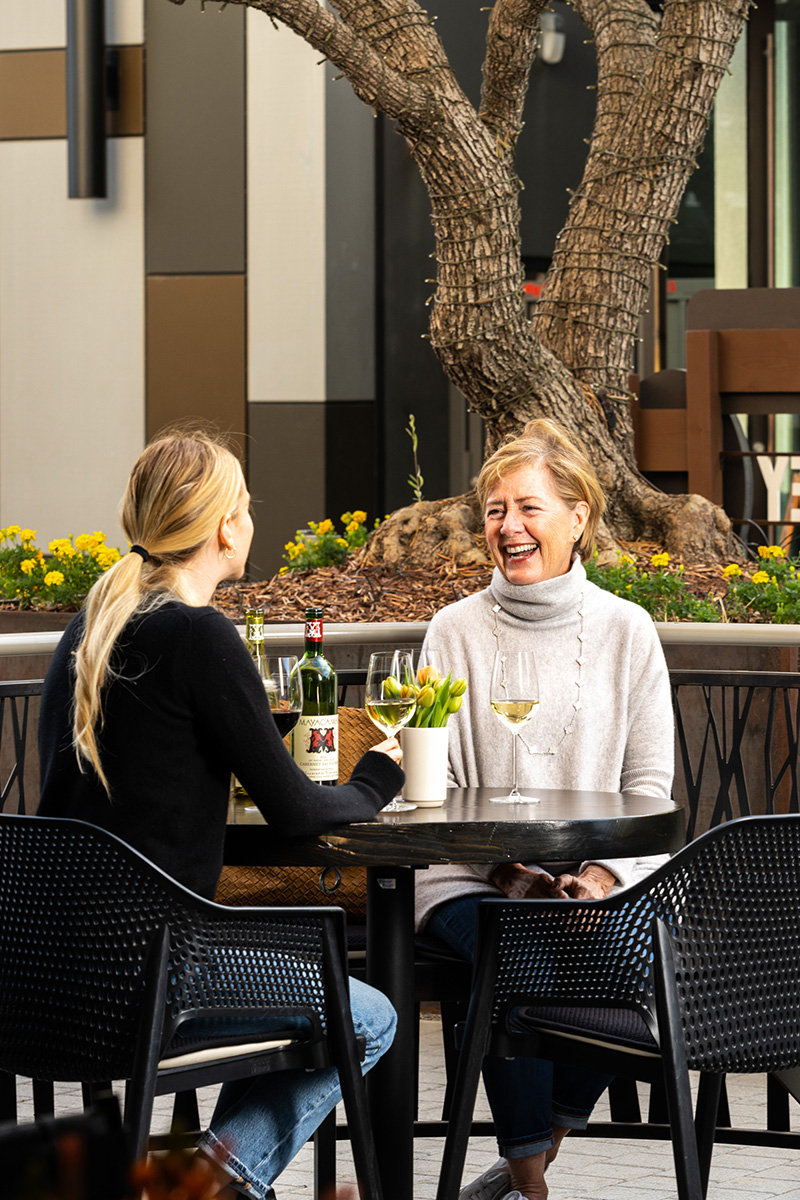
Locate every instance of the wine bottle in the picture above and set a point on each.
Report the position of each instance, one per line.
(315, 739)
(254, 640)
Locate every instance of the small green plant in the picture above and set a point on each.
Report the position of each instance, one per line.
(60, 579)
(321, 545)
(415, 481)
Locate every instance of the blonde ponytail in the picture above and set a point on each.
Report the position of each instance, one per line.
(179, 490)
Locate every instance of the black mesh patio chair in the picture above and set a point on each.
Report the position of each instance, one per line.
(105, 961)
(696, 968)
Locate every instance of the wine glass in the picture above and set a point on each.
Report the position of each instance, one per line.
(284, 690)
(281, 680)
(514, 697)
(386, 706)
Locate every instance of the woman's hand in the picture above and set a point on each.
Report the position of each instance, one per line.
(390, 747)
(593, 883)
(520, 883)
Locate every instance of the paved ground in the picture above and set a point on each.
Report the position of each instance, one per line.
(587, 1169)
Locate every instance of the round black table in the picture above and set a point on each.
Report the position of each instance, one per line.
(563, 826)
(471, 828)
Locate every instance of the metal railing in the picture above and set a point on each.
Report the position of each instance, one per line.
(412, 633)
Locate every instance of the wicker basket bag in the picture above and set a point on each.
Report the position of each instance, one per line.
(345, 886)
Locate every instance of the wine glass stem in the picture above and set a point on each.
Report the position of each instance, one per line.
(513, 764)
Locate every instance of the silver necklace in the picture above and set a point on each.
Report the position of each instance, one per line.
(576, 704)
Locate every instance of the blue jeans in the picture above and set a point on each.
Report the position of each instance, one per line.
(259, 1124)
(526, 1095)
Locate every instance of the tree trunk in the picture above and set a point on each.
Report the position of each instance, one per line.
(657, 78)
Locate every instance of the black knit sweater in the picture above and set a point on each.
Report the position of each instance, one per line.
(185, 709)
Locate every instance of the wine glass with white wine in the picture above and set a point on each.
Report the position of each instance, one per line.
(389, 705)
(514, 699)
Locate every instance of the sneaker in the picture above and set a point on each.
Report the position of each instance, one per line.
(491, 1185)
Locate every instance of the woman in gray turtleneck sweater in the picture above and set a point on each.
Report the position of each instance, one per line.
(604, 721)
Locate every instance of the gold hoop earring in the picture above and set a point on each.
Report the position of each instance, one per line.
(230, 552)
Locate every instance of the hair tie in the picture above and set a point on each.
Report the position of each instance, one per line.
(140, 550)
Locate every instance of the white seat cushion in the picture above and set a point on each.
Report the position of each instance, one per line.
(216, 1052)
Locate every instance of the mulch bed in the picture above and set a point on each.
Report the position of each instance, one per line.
(353, 593)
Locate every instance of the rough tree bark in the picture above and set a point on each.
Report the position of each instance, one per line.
(657, 78)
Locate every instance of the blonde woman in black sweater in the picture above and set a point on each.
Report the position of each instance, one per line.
(151, 702)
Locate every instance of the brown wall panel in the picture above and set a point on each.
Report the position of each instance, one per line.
(33, 94)
(128, 119)
(33, 87)
(196, 351)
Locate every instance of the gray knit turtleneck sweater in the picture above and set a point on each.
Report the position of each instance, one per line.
(622, 735)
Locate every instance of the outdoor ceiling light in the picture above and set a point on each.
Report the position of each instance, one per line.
(554, 39)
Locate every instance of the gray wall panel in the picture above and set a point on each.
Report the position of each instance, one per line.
(349, 244)
(286, 476)
(350, 458)
(195, 145)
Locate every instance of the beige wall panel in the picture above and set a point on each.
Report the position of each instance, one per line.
(730, 177)
(71, 339)
(286, 214)
(25, 24)
(196, 350)
(33, 94)
(124, 21)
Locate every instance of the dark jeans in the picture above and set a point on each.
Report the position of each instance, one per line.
(526, 1095)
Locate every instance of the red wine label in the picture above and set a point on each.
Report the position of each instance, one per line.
(314, 630)
(315, 747)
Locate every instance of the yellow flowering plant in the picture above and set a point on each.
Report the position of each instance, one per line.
(60, 578)
(766, 591)
(436, 697)
(662, 590)
(322, 545)
(769, 591)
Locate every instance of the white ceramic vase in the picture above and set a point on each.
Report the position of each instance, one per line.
(425, 765)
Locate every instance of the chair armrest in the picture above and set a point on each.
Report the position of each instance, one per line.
(252, 961)
(587, 952)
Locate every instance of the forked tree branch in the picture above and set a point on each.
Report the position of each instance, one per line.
(624, 34)
(411, 103)
(511, 45)
(400, 30)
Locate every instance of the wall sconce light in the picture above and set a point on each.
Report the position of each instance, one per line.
(554, 39)
(86, 99)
